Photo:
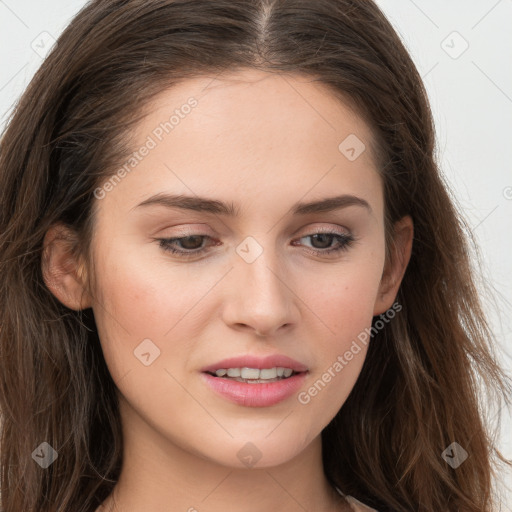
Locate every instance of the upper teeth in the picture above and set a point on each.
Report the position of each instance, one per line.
(255, 373)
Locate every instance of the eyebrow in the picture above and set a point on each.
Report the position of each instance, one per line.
(230, 209)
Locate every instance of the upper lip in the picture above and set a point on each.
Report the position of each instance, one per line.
(248, 361)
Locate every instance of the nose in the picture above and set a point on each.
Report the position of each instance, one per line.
(259, 296)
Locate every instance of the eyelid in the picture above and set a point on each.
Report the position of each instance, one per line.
(326, 229)
(184, 232)
(187, 230)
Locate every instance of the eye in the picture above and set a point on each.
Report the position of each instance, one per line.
(192, 245)
(325, 240)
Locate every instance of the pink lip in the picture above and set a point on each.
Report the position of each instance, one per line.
(248, 361)
(256, 395)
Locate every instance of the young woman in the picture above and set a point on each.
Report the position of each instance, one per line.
(232, 277)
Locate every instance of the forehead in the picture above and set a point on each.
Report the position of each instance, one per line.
(253, 107)
(258, 133)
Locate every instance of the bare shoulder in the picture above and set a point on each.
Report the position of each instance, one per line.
(357, 506)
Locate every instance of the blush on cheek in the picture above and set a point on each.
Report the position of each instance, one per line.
(347, 308)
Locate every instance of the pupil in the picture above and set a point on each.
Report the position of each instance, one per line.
(327, 238)
(186, 245)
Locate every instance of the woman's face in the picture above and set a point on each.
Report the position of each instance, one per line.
(256, 280)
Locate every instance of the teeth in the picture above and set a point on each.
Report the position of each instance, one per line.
(270, 373)
(250, 373)
(254, 373)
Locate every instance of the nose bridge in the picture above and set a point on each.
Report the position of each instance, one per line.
(263, 299)
(259, 265)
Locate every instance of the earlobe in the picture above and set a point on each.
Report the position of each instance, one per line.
(396, 266)
(63, 274)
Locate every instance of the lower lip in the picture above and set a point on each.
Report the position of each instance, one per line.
(255, 395)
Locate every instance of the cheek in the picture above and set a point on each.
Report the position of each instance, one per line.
(144, 295)
(147, 298)
(342, 305)
(129, 308)
(344, 298)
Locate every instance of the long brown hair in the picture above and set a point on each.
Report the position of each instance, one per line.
(421, 385)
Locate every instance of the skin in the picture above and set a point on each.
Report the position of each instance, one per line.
(263, 141)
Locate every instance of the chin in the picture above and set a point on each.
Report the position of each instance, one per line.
(256, 451)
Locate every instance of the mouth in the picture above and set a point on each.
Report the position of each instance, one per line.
(251, 381)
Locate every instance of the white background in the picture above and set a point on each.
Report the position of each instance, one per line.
(470, 93)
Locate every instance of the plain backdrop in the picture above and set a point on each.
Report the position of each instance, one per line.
(463, 50)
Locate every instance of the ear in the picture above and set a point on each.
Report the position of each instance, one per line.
(396, 264)
(63, 274)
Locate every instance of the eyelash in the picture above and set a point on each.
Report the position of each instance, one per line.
(344, 240)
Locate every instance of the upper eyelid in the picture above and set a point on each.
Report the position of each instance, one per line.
(307, 231)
